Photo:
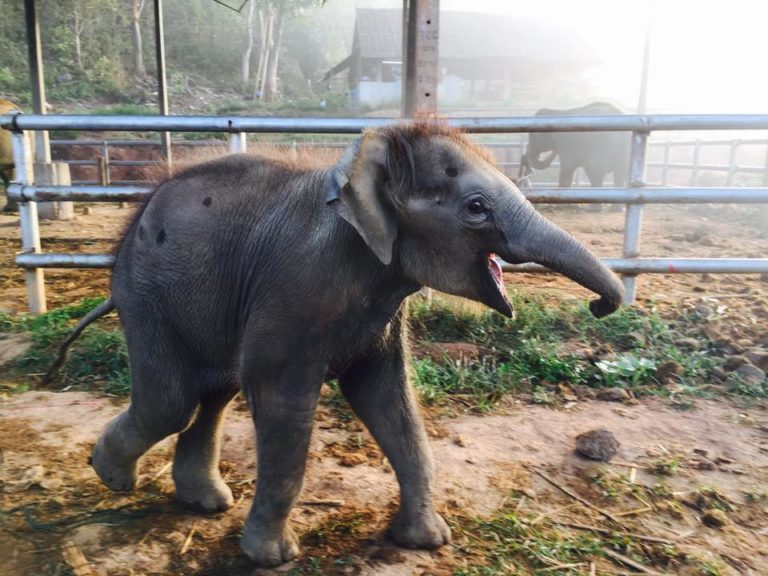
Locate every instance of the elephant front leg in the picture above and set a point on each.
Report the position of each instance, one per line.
(380, 394)
(283, 411)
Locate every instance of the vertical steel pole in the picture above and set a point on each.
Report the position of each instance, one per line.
(765, 174)
(634, 216)
(35, 54)
(643, 96)
(237, 142)
(30, 231)
(732, 159)
(665, 168)
(162, 87)
(696, 157)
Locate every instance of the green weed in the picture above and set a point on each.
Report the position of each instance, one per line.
(509, 544)
(666, 466)
(126, 109)
(97, 359)
(637, 349)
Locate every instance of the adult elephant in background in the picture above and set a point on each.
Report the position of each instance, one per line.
(597, 152)
(6, 152)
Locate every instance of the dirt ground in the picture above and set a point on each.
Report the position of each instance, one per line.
(56, 518)
(480, 462)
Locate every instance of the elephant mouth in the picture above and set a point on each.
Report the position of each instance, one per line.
(494, 293)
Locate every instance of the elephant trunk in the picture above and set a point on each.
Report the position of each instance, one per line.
(539, 240)
(532, 160)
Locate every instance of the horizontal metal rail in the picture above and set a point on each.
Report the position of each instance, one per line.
(649, 195)
(739, 141)
(618, 265)
(60, 260)
(82, 193)
(620, 123)
(713, 167)
(667, 266)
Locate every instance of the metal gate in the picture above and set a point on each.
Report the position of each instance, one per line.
(635, 195)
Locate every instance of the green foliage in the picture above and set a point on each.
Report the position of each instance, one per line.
(127, 110)
(97, 359)
(527, 353)
(204, 46)
(485, 380)
(627, 369)
(666, 466)
(517, 545)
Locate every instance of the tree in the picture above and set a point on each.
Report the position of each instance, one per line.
(137, 6)
(272, 16)
(78, 26)
(245, 68)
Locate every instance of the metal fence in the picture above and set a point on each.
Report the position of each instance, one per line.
(634, 196)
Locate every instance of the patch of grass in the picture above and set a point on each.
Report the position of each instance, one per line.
(749, 389)
(98, 359)
(633, 348)
(666, 466)
(126, 109)
(508, 544)
(627, 370)
(614, 486)
(485, 380)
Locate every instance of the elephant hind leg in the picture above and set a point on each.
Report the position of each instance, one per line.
(199, 485)
(163, 402)
(115, 457)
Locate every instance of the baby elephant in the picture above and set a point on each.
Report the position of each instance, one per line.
(263, 276)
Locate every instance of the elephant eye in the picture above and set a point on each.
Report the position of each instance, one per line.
(476, 206)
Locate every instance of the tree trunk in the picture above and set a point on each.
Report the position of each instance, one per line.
(266, 49)
(78, 33)
(262, 53)
(246, 62)
(138, 53)
(270, 86)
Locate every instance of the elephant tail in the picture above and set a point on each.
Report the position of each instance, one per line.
(104, 308)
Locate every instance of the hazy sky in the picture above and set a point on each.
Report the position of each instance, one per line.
(706, 56)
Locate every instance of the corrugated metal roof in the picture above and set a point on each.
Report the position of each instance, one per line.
(468, 35)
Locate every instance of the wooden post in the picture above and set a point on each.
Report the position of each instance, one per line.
(53, 173)
(37, 84)
(162, 86)
(422, 35)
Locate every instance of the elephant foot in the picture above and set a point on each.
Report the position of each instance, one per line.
(427, 530)
(117, 477)
(267, 548)
(206, 495)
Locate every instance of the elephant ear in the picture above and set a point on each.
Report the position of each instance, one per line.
(355, 192)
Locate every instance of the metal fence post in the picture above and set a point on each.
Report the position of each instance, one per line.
(30, 231)
(237, 142)
(696, 157)
(765, 173)
(732, 162)
(634, 215)
(665, 168)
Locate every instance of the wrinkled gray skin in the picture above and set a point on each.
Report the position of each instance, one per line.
(598, 153)
(247, 274)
